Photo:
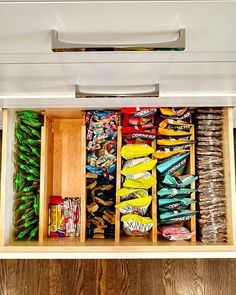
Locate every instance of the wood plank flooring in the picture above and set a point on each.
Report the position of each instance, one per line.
(115, 277)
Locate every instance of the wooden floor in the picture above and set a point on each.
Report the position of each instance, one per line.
(133, 277)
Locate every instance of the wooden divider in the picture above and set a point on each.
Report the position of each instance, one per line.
(154, 201)
(83, 184)
(193, 185)
(118, 184)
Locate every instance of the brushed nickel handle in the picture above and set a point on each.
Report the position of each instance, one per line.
(82, 94)
(60, 46)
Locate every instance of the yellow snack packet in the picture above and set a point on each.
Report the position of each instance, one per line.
(130, 151)
(173, 112)
(135, 225)
(165, 123)
(168, 132)
(172, 142)
(131, 193)
(166, 154)
(145, 182)
(144, 164)
(135, 206)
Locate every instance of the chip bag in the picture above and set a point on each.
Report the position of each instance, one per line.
(173, 111)
(138, 165)
(136, 206)
(174, 166)
(170, 132)
(142, 112)
(175, 125)
(171, 192)
(130, 151)
(146, 181)
(176, 216)
(131, 193)
(166, 154)
(179, 181)
(135, 225)
(173, 203)
(174, 142)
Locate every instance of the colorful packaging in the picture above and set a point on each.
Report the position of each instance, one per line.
(175, 125)
(142, 112)
(170, 132)
(138, 165)
(145, 182)
(173, 142)
(130, 151)
(176, 216)
(72, 216)
(56, 224)
(174, 166)
(135, 225)
(166, 154)
(179, 181)
(136, 206)
(173, 112)
(131, 193)
(171, 192)
(175, 232)
(173, 203)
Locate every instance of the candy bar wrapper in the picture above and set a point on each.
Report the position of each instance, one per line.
(72, 216)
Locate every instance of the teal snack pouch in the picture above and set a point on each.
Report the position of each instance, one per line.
(167, 192)
(179, 181)
(176, 216)
(175, 203)
(174, 166)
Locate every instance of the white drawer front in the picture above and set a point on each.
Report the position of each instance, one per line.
(25, 35)
(53, 85)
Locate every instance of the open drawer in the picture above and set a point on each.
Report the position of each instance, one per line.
(62, 172)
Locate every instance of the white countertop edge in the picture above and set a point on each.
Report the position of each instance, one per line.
(121, 255)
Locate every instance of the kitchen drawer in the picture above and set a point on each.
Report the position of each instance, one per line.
(63, 160)
(53, 85)
(26, 29)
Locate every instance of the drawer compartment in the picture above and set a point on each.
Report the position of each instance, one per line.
(63, 160)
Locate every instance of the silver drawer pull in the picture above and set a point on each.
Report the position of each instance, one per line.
(60, 46)
(81, 94)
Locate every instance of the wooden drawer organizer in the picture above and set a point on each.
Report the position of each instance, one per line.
(63, 160)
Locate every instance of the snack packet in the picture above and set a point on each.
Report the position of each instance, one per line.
(179, 112)
(130, 151)
(170, 132)
(175, 232)
(145, 182)
(142, 112)
(171, 192)
(135, 225)
(176, 216)
(131, 193)
(138, 165)
(179, 181)
(175, 203)
(174, 166)
(128, 120)
(174, 142)
(175, 125)
(166, 154)
(136, 206)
